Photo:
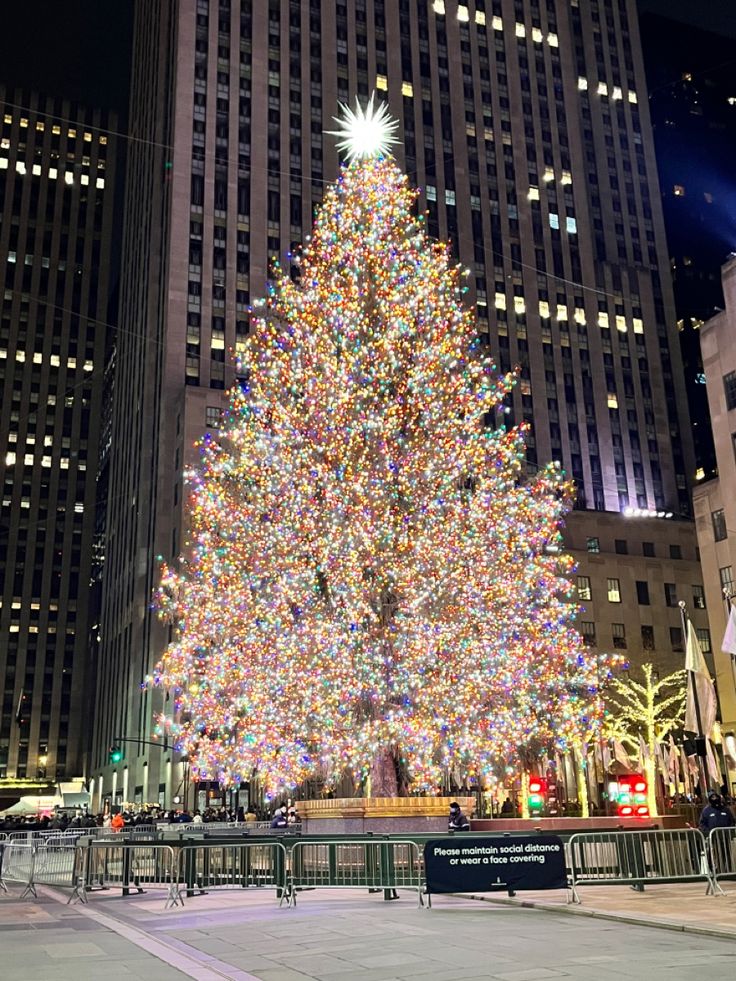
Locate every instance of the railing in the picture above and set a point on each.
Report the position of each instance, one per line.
(130, 865)
(635, 858)
(722, 853)
(204, 867)
(16, 866)
(366, 864)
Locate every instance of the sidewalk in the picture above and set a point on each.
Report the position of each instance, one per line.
(675, 907)
(350, 935)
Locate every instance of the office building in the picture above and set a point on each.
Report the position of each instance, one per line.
(527, 128)
(57, 184)
(715, 507)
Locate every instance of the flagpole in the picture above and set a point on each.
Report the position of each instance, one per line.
(691, 682)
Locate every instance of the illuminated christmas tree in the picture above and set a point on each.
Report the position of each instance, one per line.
(373, 585)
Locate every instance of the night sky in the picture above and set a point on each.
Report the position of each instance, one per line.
(77, 48)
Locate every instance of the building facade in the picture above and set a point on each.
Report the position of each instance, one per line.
(526, 126)
(57, 186)
(714, 503)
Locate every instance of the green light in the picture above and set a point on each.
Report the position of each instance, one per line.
(536, 802)
(116, 754)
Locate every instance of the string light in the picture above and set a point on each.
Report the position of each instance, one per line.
(370, 569)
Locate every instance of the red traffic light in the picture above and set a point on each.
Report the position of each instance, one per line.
(537, 785)
(640, 786)
(626, 810)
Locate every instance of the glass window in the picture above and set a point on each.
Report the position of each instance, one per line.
(647, 548)
(619, 635)
(587, 629)
(584, 591)
(719, 524)
(642, 592)
(622, 547)
(675, 552)
(676, 638)
(647, 637)
(213, 416)
(703, 639)
(614, 591)
(729, 387)
(594, 545)
(698, 597)
(670, 594)
(726, 574)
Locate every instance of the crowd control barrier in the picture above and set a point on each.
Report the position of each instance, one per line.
(364, 864)
(204, 867)
(722, 854)
(635, 858)
(130, 865)
(16, 866)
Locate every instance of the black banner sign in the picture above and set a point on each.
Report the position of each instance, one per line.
(455, 864)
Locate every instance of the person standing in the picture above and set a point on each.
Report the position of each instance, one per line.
(457, 820)
(715, 814)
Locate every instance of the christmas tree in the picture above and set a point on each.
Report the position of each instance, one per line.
(373, 584)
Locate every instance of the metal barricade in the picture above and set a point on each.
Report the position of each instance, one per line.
(379, 865)
(204, 867)
(131, 865)
(16, 866)
(722, 854)
(59, 863)
(635, 858)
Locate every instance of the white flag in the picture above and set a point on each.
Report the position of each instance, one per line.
(673, 762)
(644, 754)
(728, 644)
(700, 710)
(714, 770)
(620, 754)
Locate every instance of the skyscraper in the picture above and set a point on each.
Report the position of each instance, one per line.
(57, 184)
(526, 126)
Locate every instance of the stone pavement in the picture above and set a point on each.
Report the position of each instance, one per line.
(348, 935)
(684, 906)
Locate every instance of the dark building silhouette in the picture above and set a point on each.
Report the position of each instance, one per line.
(692, 84)
(57, 188)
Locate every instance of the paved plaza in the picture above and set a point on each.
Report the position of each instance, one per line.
(353, 936)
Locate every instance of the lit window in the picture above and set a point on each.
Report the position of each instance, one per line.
(72, 133)
(480, 18)
(87, 137)
(698, 597)
(549, 174)
(561, 311)
(584, 590)
(583, 84)
(612, 401)
(614, 591)
(7, 118)
(621, 323)
(9, 459)
(40, 126)
(37, 357)
(520, 30)
(20, 166)
(450, 197)
(56, 130)
(533, 193)
(580, 316)
(37, 170)
(68, 177)
(84, 179)
(52, 173)
(679, 190)
(463, 14)
(431, 193)
(602, 88)
(3, 163)
(28, 459)
(704, 639)
(439, 6)
(500, 301)
(24, 122)
(407, 89)
(726, 574)
(632, 97)
(603, 319)
(381, 82)
(519, 304)
(617, 93)
(553, 41)
(554, 220)
(572, 226)
(638, 325)
(497, 24)
(100, 182)
(587, 629)
(12, 256)
(537, 35)
(543, 308)
(103, 141)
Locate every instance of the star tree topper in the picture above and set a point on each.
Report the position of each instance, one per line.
(365, 133)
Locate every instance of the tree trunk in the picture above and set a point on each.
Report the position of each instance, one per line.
(383, 779)
(581, 776)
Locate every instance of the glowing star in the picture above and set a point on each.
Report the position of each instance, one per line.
(365, 133)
